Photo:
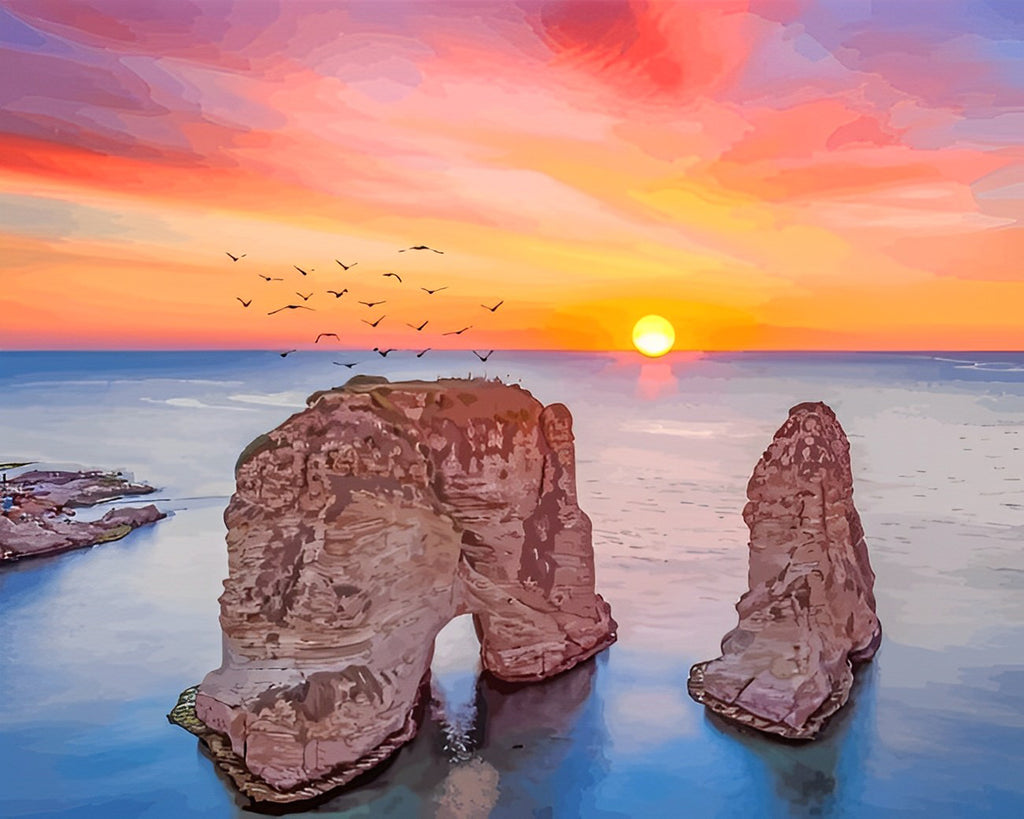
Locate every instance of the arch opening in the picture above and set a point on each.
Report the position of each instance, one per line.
(455, 670)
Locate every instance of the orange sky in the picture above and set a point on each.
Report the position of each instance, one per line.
(787, 174)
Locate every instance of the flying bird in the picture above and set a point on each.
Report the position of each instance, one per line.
(303, 272)
(289, 307)
(326, 335)
(270, 278)
(430, 292)
(283, 355)
(421, 352)
(393, 275)
(235, 258)
(482, 357)
(300, 295)
(338, 295)
(341, 364)
(457, 332)
(346, 266)
(492, 309)
(420, 247)
(244, 303)
(418, 329)
(373, 323)
(383, 353)
(372, 303)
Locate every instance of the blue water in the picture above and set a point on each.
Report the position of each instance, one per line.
(95, 645)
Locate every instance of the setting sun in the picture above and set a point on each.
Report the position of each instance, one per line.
(653, 335)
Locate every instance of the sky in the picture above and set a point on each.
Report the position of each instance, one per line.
(766, 174)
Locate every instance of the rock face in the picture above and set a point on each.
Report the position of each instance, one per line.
(809, 613)
(39, 520)
(359, 528)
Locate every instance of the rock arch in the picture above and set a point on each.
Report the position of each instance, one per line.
(359, 528)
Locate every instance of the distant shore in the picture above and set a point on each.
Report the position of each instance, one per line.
(37, 510)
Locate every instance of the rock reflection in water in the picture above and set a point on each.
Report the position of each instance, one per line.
(488, 753)
(809, 777)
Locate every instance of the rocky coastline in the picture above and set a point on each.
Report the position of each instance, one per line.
(37, 511)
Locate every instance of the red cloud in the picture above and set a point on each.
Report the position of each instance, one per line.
(865, 130)
(648, 48)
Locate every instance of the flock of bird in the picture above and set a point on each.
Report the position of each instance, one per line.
(342, 291)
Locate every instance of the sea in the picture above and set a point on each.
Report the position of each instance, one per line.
(96, 644)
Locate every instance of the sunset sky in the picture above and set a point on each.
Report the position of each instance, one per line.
(782, 174)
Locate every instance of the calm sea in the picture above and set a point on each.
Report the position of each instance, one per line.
(95, 645)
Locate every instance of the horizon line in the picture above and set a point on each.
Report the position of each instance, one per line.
(503, 350)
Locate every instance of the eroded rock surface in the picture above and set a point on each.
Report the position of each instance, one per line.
(809, 614)
(40, 518)
(359, 528)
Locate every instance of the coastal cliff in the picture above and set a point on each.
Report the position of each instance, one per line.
(809, 613)
(359, 528)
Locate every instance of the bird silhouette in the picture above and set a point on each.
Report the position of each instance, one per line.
(372, 303)
(457, 332)
(482, 357)
(383, 353)
(393, 275)
(420, 247)
(373, 323)
(303, 297)
(290, 307)
(421, 352)
(283, 355)
(337, 294)
(244, 303)
(235, 258)
(270, 278)
(346, 266)
(418, 329)
(492, 309)
(430, 292)
(342, 364)
(326, 335)
(303, 272)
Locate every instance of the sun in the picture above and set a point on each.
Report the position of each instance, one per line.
(653, 336)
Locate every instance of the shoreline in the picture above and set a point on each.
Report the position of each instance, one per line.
(37, 511)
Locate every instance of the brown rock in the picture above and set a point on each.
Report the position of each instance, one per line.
(809, 613)
(40, 522)
(359, 528)
(76, 489)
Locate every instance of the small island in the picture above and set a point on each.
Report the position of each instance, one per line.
(37, 510)
(358, 529)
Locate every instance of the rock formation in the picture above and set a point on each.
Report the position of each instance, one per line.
(36, 516)
(359, 528)
(809, 614)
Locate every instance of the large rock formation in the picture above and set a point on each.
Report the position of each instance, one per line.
(359, 528)
(809, 614)
(37, 511)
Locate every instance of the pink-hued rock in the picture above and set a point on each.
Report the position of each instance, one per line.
(809, 614)
(41, 518)
(58, 488)
(359, 528)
